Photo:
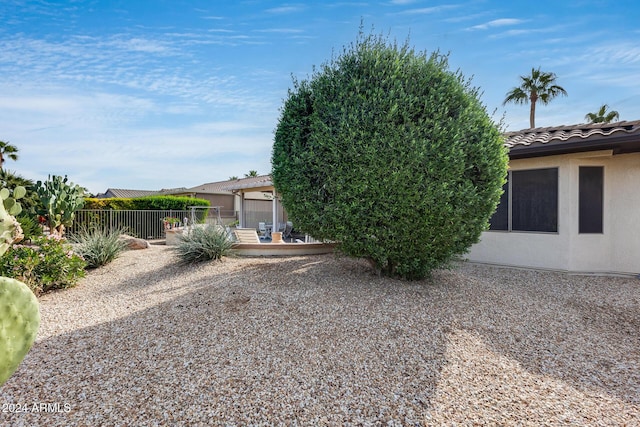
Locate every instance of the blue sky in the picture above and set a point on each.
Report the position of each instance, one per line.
(170, 93)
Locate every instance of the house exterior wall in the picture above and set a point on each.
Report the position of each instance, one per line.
(616, 250)
(227, 201)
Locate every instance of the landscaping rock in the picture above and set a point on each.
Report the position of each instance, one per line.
(134, 243)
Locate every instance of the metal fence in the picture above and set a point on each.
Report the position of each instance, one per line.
(146, 224)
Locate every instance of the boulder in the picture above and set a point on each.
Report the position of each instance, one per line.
(134, 243)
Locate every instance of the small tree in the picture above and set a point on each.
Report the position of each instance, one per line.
(389, 153)
(59, 199)
(251, 173)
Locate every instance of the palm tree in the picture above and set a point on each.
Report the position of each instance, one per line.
(9, 151)
(233, 178)
(251, 173)
(539, 86)
(603, 116)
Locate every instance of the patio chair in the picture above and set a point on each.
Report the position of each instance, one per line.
(246, 235)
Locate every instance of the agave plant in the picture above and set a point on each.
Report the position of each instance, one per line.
(210, 242)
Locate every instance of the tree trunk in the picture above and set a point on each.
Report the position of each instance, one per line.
(532, 112)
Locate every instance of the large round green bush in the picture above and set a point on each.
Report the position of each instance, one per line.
(392, 155)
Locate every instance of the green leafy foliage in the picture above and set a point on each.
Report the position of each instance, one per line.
(144, 203)
(47, 264)
(59, 199)
(169, 202)
(30, 227)
(207, 243)
(392, 155)
(115, 203)
(99, 245)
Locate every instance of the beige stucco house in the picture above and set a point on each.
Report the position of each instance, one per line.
(571, 203)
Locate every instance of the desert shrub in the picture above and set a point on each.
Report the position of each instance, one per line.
(99, 245)
(48, 263)
(210, 242)
(30, 226)
(392, 155)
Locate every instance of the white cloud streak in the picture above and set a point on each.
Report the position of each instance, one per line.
(429, 10)
(497, 23)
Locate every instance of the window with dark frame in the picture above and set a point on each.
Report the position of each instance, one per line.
(590, 199)
(500, 218)
(529, 202)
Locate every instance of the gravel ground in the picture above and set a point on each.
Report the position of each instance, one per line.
(322, 341)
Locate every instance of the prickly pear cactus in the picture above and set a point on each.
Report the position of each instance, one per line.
(19, 323)
(19, 308)
(59, 200)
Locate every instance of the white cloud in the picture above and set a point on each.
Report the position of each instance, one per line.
(497, 23)
(524, 32)
(621, 53)
(429, 10)
(285, 9)
(140, 45)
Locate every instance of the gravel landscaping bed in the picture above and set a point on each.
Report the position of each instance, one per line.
(320, 340)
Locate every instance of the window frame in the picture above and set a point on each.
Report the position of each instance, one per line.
(601, 196)
(509, 185)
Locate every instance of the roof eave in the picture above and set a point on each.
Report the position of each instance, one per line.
(620, 145)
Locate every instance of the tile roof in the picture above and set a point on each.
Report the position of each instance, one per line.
(572, 133)
(253, 182)
(125, 193)
(226, 187)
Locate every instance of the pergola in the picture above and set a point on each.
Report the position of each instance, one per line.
(261, 184)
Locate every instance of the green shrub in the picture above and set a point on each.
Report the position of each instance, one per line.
(115, 203)
(98, 245)
(146, 203)
(210, 242)
(30, 226)
(169, 202)
(390, 154)
(47, 264)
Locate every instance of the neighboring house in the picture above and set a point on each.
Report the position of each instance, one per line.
(129, 194)
(213, 192)
(220, 193)
(123, 193)
(571, 203)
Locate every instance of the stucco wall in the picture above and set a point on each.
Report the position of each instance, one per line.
(616, 250)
